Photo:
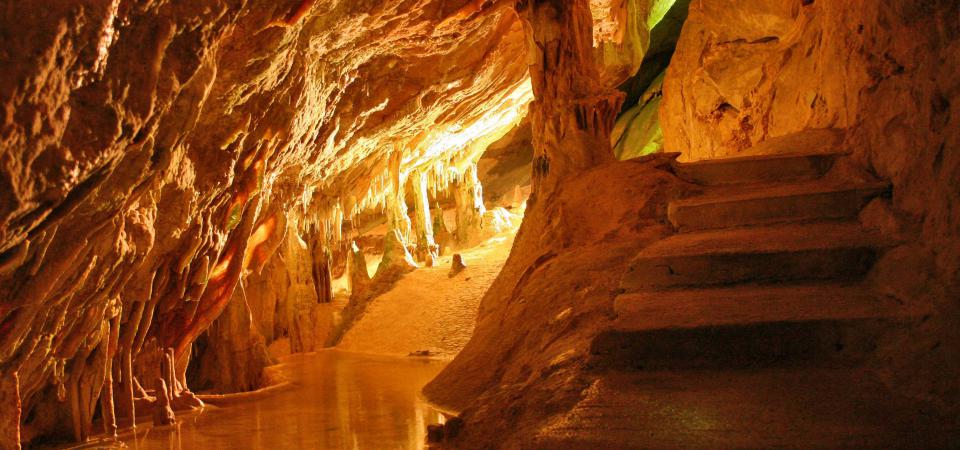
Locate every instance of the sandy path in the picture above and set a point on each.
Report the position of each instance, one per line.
(427, 310)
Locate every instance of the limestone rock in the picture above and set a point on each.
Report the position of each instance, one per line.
(162, 413)
(10, 405)
(457, 266)
(146, 146)
(396, 258)
(884, 73)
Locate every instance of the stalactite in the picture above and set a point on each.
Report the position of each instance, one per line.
(127, 384)
(423, 223)
(166, 371)
(322, 278)
(107, 410)
(180, 331)
(128, 334)
(441, 234)
(301, 10)
(91, 380)
(106, 406)
(159, 179)
(76, 392)
(573, 114)
(396, 206)
(468, 195)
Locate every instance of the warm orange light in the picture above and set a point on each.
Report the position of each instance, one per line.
(259, 236)
(221, 268)
(486, 130)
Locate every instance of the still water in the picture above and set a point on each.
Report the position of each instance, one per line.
(339, 400)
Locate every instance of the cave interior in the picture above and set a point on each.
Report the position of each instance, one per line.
(480, 224)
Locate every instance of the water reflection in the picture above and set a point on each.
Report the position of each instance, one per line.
(341, 400)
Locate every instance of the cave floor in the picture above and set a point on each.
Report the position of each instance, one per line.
(762, 408)
(337, 400)
(429, 311)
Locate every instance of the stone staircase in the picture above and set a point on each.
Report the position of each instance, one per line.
(766, 269)
(749, 327)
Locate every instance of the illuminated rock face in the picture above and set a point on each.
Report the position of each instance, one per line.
(153, 154)
(149, 149)
(883, 73)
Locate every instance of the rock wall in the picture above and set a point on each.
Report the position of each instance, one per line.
(528, 357)
(884, 73)
(146, 147)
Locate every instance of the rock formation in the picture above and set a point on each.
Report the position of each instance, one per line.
(146, 147)
(743, 76)
(179, 181)
(468, 194)
(162, 413)
(457, 265)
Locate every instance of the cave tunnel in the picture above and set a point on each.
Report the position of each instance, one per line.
(479, 224)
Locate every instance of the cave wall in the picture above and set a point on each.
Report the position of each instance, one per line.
(878, 78)
(881, 74)
(587, 214)
(147, 148)
(277, 309)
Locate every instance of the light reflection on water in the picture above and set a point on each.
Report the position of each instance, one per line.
(340, 400)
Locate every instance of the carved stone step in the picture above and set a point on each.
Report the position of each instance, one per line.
(757, 169)
(751, 325)
(826, 250)
(758, 205)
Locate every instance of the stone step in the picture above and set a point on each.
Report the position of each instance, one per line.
(750, 325)
(759, 205)
(825, 250)
(757, 169)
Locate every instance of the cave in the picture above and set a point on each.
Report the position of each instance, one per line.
(479, 224)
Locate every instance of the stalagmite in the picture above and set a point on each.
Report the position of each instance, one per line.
(468, 194)
(396, 258)
(457, 266)
(357, 268)
(396, 205)
(162, 412)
